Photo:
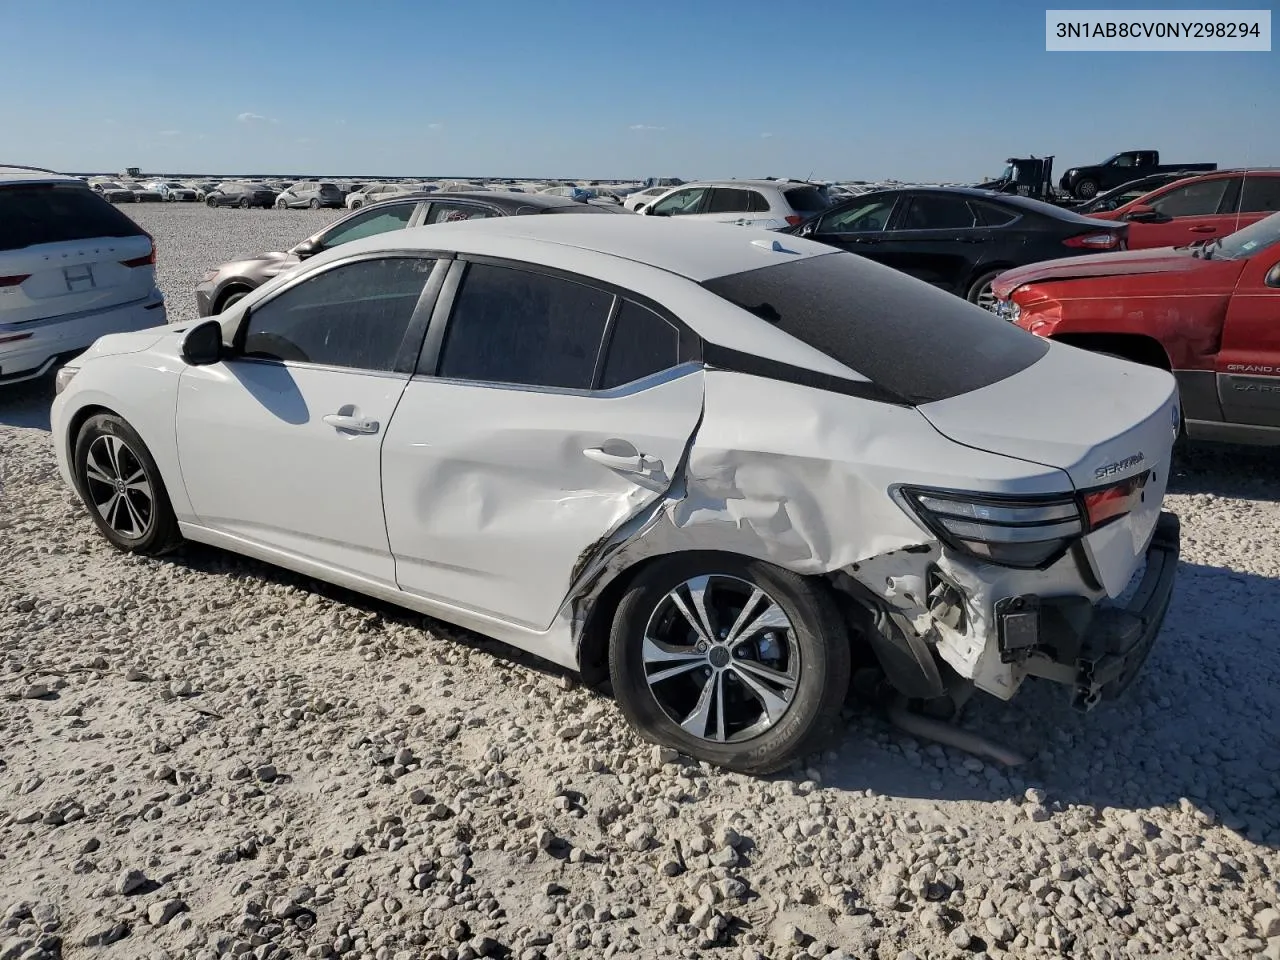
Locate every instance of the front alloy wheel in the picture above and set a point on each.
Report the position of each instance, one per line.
(732, 661)
(121, 485)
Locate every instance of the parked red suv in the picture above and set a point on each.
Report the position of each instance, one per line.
(1198, 208)
(1210, 313)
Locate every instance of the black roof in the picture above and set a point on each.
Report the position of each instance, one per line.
(1023, 204)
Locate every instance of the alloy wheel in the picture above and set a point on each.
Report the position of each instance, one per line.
(987, 298)
(118, 486)
(720, 658)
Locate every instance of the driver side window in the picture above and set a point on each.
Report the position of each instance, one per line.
(681, 202)
(354, 315)
(370, 223)
(1193, 200)
(858, 217)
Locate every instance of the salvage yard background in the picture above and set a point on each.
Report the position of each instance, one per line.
(203, 755)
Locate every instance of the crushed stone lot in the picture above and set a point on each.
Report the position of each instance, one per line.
(204, 756)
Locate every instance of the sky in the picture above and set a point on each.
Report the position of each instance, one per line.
(841, 89)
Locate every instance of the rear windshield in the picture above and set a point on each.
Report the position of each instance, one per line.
(908, 337)
(49, 213)
(806, 199)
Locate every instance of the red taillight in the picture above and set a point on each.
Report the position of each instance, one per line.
(1094, 241)
(147, 260)
(13, 281)
(794, 221)
(1103, 506)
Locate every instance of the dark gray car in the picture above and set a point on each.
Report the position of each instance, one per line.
(224, 285)
(311, 193)
(232, 193)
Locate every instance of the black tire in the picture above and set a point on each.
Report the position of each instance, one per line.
(231, 298)
(356, 205)
(315, 204)
(1086, 189)
(983, 285)
(244, 203)
(817, 632)
(210, 201)
(153, 528)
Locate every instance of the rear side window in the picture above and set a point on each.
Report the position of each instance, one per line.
(806, 199)
(934, 212)
(32, 214)
(729, 200)
(642, 343)
(355, 315)
(911, 339)
(1261, 195)
(515, 326)
(444, 211)
(991, 215)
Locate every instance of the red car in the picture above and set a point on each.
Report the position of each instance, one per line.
(1198, 208)
(1209, 313)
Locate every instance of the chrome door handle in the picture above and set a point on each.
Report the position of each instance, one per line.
(636, 463)
(351, 424)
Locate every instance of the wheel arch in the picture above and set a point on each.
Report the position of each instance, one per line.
(226, 290)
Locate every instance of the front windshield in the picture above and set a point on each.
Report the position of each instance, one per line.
(1008, 173)
(1252, 239)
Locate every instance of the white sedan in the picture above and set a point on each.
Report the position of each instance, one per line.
(718, 468)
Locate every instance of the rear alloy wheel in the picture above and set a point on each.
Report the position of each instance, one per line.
(244, 203)
(315, 204)
(980, 291)
(281, 205)
(121, 485)
(1086, 189)
(731, 661)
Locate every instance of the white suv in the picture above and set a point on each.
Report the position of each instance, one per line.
(771, 204)
(72, 268)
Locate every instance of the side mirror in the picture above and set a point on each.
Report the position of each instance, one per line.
(642, 209)
(1143, 213)
(307, 248)
(1272, 279)
(203, 344)
(808, 228)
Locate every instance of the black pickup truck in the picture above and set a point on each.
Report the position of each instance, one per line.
(1084, 183)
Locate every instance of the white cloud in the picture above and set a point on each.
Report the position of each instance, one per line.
(645, 126)
(765, 136)
(435, 126)
(248, 117)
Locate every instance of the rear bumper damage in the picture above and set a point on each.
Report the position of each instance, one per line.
(947, 621)
(1095, 652)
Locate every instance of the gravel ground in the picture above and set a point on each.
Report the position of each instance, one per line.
(204, 756)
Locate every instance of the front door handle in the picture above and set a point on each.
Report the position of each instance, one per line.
(351, 424)
(1204, 228)
(634, 463)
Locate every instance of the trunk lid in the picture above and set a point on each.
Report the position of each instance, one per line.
(65, 250)
(1098, 419)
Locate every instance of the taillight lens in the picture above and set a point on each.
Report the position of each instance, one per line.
(148, 260)
(1094, 241)
(13, 281)
(1110, 503)
(1014, 532)
(794, 221)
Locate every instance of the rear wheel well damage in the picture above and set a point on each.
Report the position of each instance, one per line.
(1131, 346)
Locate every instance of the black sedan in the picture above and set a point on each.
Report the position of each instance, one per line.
(232, 193)
(959, 238)
(223, 286)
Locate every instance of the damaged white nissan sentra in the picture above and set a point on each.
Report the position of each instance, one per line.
(725, 464)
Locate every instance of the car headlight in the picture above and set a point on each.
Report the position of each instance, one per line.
(63, 377)
(1008, 310)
